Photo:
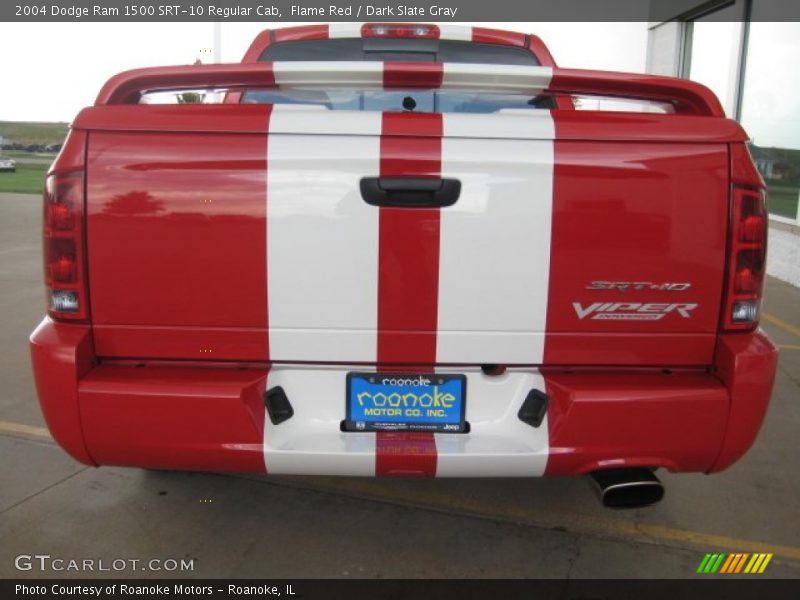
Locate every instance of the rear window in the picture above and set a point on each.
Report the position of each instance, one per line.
(393, 49)
(412, 50)
(441, 101)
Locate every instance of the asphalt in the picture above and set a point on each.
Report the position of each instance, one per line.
(296, 527)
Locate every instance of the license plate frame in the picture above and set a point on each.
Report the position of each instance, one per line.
(453, 419)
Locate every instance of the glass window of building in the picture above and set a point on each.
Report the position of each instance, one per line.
(715, 59)
(770, 111)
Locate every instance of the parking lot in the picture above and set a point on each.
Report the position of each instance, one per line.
(295, 527)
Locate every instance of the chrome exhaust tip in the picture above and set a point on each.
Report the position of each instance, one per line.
(627, 488)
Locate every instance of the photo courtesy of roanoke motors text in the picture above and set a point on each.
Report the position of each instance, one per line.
(433, 300)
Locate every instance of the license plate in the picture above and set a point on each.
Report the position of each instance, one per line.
(406, 402)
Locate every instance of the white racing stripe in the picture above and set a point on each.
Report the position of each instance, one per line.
(498, 78)
(495, 241)
(455, 32)
(344, 30)
(310, 443)
(322, 268)
(498, 444)
(322, 238)
(322, 241)
(446, 32)
(327, 74)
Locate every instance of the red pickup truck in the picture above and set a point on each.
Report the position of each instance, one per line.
(401, 250)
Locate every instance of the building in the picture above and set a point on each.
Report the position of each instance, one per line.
(752, 67)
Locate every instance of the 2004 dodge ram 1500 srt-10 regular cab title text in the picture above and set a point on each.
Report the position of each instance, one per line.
(401, 250)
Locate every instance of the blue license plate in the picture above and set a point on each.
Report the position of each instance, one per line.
(406, 402)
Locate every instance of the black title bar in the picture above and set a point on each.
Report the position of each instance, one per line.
(709, 588)
(276, 11)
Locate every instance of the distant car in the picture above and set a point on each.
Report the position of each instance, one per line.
(7, 164)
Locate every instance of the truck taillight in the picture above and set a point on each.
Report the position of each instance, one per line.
(747, 259)
(64, 270)
(401, 30)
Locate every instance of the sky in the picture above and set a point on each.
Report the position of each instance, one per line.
(50, 71)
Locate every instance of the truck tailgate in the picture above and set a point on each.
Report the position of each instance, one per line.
(241, 233)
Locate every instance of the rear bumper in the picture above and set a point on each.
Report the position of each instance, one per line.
(213, 417)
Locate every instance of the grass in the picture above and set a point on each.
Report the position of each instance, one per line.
(28, 179)
(783, 200)
(27, 132)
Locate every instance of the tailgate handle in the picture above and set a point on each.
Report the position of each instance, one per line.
(410, 192)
